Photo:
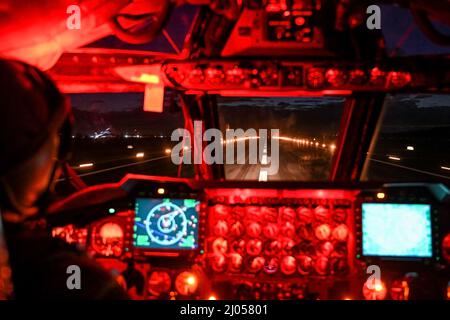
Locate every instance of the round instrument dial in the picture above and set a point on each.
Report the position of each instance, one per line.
(186, 283)
(159, 282)
(166, 224)
(108, 239)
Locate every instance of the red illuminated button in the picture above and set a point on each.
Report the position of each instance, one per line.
(399, 79)
(221, 228)
(340, 233)
(323, 232)
(271, 266)
(305, 264)
(214, 75)
(220, 245)
(253, 229)
(235, 264)
(254, 213)
(254, 247)
(235, 75)
(339, 266)
(378, 77)
(237, 229)
(218, 262)
(288, 230)
(288, 265)
(287, 214)
(315, 78)
(269, 214)
(340, 215)
(220, 211)
(299, 21)
(358, 77)
(270, 231)
(306, 232)
(321, 265)
(196, 76)
(336, 77)
(272, 248)
(326, 249)
(287, 245)
(305, 215)
(322, 213)
(256, 264)
(238, 246)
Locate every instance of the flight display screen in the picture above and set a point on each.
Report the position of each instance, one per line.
(396, 230)
(166, 224)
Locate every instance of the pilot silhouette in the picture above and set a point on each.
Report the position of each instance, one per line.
(35, 133)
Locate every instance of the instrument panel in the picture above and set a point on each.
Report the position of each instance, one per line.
(192, 241)
(292, 236)
(226, 76)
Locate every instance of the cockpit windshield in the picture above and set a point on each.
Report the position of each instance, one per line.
(113, 136)
(413, 140)
(307, 130)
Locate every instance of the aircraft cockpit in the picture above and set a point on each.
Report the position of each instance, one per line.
(251, 150)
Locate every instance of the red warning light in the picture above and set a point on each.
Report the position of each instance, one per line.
(358, 77)
(378, 77)
(399, 79)
(315, 78)
(336, 77)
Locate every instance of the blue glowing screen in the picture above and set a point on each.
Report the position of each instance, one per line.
(396, 230)
(170, 224)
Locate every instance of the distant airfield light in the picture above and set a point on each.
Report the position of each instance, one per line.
(86, 165)
(324, 145)
(394, 158)
(168, 150)
(381, 195)
(445, 168)
(130, 146)
(161, 191)
(333, 147)
(410, 148)
(140, 155)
